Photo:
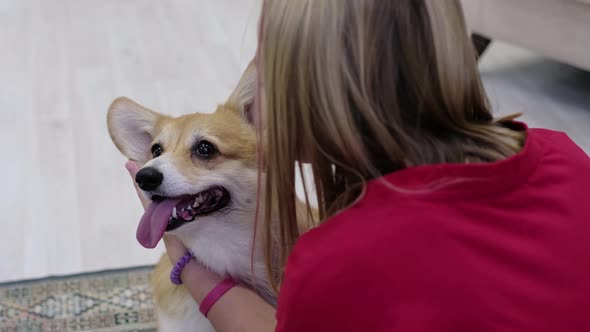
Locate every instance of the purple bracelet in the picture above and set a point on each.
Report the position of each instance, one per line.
(177, 269)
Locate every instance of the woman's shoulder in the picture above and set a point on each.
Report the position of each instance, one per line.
(557, 141)
(415, 203)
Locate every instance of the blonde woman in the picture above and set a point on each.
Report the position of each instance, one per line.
(433, 215)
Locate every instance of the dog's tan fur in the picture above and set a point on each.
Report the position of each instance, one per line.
(221, 241)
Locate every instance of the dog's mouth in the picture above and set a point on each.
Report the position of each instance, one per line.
(168, 214)
(205, 202)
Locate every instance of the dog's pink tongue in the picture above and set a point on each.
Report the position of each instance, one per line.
(154, 222)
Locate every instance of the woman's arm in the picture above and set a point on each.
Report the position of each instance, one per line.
(240, 309)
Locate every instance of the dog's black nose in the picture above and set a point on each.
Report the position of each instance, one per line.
(149, 178)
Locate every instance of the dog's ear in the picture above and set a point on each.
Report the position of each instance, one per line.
(132, 127)
(242, 98)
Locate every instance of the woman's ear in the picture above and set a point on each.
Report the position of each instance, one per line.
(242, 98)
(131, 127)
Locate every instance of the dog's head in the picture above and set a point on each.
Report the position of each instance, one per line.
(194, 166)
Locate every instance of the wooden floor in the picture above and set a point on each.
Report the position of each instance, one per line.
(67, 203)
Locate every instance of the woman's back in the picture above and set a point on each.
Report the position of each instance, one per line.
(485, 226)
(505, 246)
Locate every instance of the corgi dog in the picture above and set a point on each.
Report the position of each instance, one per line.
(200, 171)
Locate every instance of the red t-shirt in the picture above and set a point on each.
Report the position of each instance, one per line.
(504, 246)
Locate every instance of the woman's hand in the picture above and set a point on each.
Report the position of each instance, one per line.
(174, 248)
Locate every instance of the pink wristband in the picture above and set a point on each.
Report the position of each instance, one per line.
(215, 294)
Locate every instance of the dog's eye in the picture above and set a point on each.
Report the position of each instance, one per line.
(205, 150)
(157, 150)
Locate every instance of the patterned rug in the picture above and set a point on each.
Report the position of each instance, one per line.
(118, 300)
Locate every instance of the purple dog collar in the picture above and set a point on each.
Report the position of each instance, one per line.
(177, 269)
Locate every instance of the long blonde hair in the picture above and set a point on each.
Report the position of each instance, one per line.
(361, 88)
